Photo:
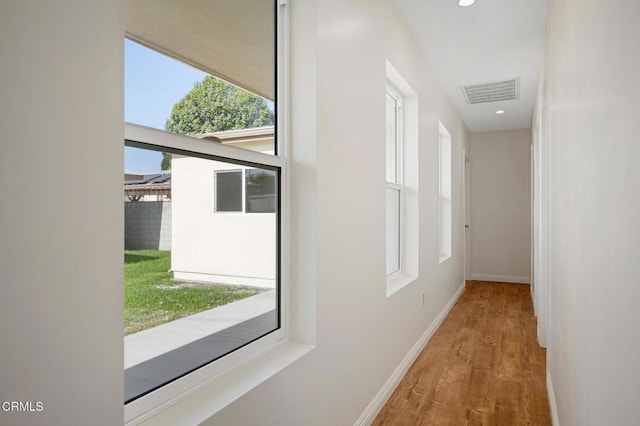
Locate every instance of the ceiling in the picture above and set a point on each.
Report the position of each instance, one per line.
(230, 39)
(489, 41)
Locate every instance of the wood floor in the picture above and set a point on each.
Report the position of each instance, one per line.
(483, 366)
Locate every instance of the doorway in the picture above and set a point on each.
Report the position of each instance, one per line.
(466, 176)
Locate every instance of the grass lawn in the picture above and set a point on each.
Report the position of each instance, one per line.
(151, 297)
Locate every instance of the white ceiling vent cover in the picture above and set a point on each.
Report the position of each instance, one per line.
(504, 90)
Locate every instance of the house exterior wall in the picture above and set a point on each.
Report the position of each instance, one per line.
(61, 233)
(590, 129)
(207, 246)
(501, 205)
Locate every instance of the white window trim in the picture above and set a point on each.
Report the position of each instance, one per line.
(445, 236)
(397, 184)
(407, 180)
(398, 96)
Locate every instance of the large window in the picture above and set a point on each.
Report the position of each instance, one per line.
(401, 181)
(202, 291)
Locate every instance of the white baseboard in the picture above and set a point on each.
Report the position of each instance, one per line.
(369, 414)
(501, 278)
(552, 402)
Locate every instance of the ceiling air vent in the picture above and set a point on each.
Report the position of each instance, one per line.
(504, 90)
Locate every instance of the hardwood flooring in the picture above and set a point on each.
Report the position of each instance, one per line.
(483, 366)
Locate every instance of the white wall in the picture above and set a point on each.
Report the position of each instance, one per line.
(61, 233)
(501, 205)
(62, 303)
(214, 247)
(361, 335)
(592, 68)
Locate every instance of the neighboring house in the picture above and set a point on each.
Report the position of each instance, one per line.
(224, 213)
(147, 187)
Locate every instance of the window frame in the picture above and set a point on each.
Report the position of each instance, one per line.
(148, 138)
(398, 183)
(218, 371)
(445, 193)
(216, 191)
(407, 181)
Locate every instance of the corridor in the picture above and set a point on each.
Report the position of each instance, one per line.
(483, 365)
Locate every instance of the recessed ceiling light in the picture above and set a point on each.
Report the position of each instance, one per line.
(465, 3)
(500, 112)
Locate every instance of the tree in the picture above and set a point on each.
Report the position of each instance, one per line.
(214, 105)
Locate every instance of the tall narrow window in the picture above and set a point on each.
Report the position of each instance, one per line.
(204, 199)
(394, 186)
(401, 182)
(445, 193)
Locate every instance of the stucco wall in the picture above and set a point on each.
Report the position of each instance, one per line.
(210, 246)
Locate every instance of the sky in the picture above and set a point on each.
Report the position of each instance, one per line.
(153, 84)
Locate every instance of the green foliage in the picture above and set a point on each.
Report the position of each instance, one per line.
(165, 164)
(261, 182)
(152, 297)
(214, 105)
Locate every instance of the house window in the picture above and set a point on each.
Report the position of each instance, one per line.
(248, 190)
(401, 181)
(445, 193)
(228, 191)
(210, 296)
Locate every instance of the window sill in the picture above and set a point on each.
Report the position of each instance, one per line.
(211, 396)
(398, 281)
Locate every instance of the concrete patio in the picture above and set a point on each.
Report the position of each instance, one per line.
(148, 344)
